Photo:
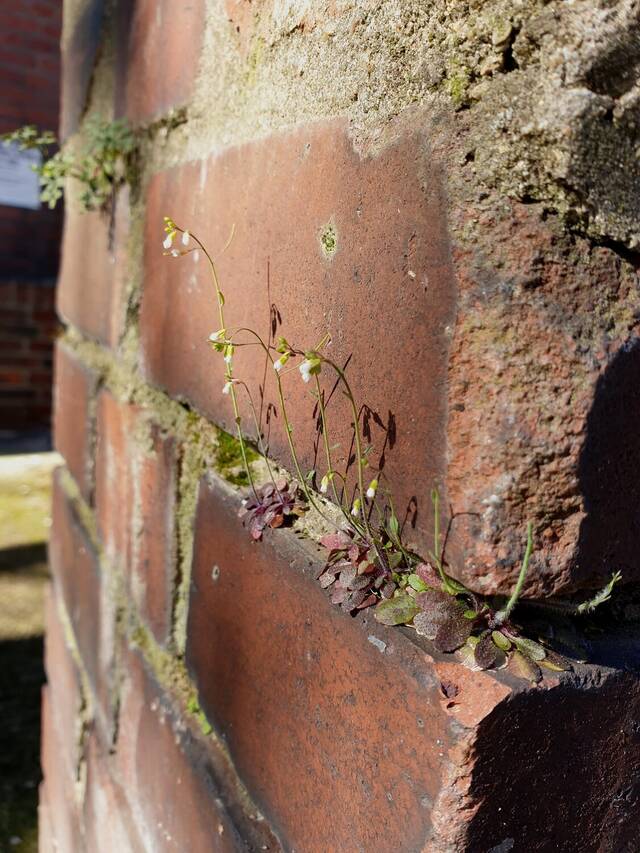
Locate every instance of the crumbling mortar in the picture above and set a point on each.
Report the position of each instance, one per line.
(86, 711)
(112, 585)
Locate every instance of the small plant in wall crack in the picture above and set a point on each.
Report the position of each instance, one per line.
(368, 565)
(100, 166)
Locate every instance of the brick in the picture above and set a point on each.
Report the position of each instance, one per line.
(380, 316)
(153, 561)
(136, 470)
(166, 773)
(79, 51)
(108, 822)
(65, 691)
(77, 579)
(46, 841)
(57, 790)
(89, 296)
(343, 734)
(159, 43)
(135, 505)
(72, 424)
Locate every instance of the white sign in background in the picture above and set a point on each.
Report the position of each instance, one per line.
(19, 184)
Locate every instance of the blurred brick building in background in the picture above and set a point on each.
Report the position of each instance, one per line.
(29, 239)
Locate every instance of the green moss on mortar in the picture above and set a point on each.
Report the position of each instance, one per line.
(229, 459)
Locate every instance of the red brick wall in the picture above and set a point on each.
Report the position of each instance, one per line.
(203, 693)
(29, 239)
(27, 328)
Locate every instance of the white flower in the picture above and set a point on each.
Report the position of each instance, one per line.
(228, 353)
(355, 509)
(214, 337)
(279, 363)
(305, 370)
(185, 238)
(175, 253)
(373, 488)
(227, 388)
(324, 485)
(168, 240)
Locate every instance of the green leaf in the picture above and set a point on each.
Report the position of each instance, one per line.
(601, 596)
(417, 583)
(555, 662)
(396, 611)
(394, 560)
(530, 648)
(501, 641)
(524, 667)
(455, 586)
(394, 526)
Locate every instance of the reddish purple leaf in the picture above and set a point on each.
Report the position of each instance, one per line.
(339, 595)
(336, 541)
(453, 633)
(348, 575)
(427, 573)
(388, 589)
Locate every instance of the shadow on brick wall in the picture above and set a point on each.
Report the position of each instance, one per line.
(608, 470)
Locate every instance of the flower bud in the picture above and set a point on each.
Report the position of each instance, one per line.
(373, 488)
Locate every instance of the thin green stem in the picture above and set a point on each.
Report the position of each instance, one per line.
(436, 553)
(504, 614)
(289, 430)
(229, 373)
(360, 468)
(358, 441)
(327, 448)
(261, 446)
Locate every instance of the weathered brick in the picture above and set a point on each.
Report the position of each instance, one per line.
(66, 701)
(386, 294)
(46, 841)
(157, 61)
(135, 503)
(114, 481)
(75, 384)
(80, 43)
(166, 773)
(109, 825)
(90, 295)
(344, 735)
(77, 578)
(57, 790)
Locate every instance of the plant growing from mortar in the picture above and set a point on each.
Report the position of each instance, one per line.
(367, 563)
(100, 166)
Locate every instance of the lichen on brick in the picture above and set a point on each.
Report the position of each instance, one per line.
(328, 240)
